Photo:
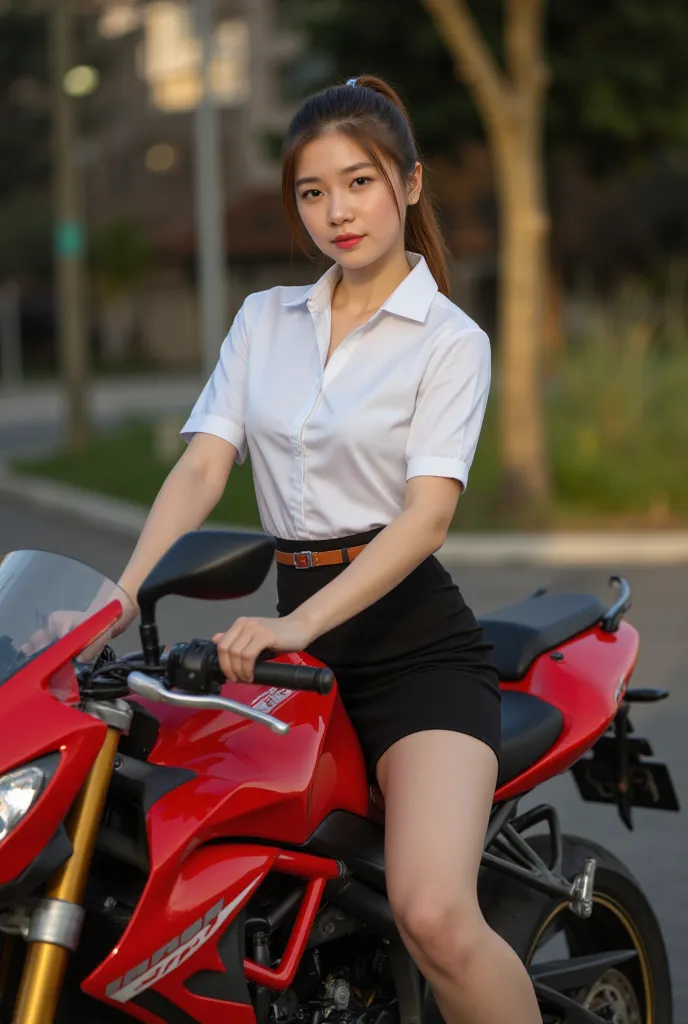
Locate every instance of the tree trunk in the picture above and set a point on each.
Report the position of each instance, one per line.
(523, 248)
(511, 104)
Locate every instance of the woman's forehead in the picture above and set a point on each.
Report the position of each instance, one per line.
(332, 152)
(334, 155)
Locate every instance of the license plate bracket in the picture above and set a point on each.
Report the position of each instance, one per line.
(620, 770)
(649, 783)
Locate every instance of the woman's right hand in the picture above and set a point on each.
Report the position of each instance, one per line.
(61, 622)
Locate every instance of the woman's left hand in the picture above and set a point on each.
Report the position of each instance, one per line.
(239, 647)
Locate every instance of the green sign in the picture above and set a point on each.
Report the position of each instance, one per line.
(69, 239)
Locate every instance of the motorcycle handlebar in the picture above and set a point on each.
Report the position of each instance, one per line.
(291, 677)
(195, 667)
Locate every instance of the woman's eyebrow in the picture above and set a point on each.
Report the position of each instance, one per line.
(344, 170)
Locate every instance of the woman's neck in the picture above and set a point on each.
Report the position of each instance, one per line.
(365, 290)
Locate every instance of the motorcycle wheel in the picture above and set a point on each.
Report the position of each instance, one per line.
(541, 929)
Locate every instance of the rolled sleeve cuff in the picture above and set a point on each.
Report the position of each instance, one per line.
(435, 465)
(220, 427)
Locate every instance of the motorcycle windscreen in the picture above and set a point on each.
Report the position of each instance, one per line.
(33, 586)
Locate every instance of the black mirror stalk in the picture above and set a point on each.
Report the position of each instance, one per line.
(148, 631)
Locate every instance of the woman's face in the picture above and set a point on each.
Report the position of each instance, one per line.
(345, 203)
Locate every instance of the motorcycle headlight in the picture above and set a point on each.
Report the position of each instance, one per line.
(18, 791)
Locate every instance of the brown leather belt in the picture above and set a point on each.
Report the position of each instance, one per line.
(313, 559)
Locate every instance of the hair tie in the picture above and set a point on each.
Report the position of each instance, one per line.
(351, 81)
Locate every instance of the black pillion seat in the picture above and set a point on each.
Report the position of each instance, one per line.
(521, 632)
(530, 727)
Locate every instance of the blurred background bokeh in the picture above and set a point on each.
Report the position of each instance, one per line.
(140, 203)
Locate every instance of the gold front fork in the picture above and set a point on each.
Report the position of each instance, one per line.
(6, 950)
(46, 961)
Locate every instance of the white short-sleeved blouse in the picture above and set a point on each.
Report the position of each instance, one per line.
(332, 446)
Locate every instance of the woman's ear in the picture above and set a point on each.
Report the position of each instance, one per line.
(415, 185)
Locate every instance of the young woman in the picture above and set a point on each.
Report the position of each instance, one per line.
(361, 399)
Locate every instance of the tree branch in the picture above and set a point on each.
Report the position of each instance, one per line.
(471, 54)
(523, 45)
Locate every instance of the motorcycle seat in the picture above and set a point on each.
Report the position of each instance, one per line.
(521, 632)
(530, 727)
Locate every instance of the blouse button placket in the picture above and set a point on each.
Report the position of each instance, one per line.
(322, 321)
(299, 426)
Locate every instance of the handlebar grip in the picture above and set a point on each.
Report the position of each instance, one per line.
(291, 677)
(294, 677)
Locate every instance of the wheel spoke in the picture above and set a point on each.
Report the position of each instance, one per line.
(568, 1011)
(579, 971)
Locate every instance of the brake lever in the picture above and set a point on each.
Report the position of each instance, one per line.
(146, 686)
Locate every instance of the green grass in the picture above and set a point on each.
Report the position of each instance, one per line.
(122, 464)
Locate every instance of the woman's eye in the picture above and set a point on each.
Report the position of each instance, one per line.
(361, 180)
(309, 192)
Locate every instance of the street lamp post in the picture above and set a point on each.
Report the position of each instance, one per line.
(209, 202)
(69, 236)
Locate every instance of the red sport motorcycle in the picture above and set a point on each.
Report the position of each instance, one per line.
(178, 848)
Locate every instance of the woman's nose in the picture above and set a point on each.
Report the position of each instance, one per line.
(339, 210)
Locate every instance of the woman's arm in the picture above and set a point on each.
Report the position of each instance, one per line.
(417, 532)
(189, 494)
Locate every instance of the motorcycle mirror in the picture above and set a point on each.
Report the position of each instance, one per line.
(215, 565)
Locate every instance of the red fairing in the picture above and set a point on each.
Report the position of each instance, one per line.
(163, 951)
(250, 782)
(587, 686)
(165, 945)
(35, 722)
(340, 780)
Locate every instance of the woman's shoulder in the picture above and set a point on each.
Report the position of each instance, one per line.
(274, 299)
(446, 313)
(451, 328)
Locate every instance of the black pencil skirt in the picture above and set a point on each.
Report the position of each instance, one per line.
(414, 660)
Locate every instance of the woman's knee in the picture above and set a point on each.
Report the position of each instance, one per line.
(444, 930)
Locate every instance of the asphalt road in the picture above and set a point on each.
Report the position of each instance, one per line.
(657, 851)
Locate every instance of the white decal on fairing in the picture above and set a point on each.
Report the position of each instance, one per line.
(179, 955)
(271, 698)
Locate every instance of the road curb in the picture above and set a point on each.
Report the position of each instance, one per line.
(650, 547)
(95, 509)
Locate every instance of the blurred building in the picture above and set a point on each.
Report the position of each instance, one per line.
(136, 163)
(137, 153)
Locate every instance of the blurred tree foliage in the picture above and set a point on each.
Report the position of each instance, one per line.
(119, 256)
(26, 237)
(619, 88)
(24, 103)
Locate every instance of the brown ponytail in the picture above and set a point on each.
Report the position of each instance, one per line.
(371, 113)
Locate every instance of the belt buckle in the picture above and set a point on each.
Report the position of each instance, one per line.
(307, 555)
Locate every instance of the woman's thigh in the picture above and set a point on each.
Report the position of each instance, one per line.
(438, 788)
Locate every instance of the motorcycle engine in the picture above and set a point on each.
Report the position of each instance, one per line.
(347, 981)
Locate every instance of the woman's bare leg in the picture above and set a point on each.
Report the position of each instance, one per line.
(438, 788)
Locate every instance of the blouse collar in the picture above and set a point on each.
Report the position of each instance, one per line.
(412, 298)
